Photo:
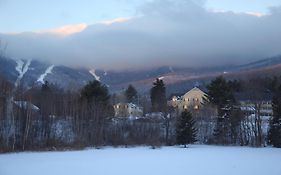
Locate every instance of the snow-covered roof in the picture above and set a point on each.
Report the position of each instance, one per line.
(247, 108)
(194, 89)
(26, 105)
(131, 105)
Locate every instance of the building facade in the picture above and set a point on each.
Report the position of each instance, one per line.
(127, 110)
(264, 108)
(192, 100)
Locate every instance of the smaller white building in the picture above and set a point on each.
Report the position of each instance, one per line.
(262, 107)
(127, 110)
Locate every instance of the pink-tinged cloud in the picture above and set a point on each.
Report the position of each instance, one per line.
(257, 14)
(66, 30)
(76, 28)
(116, 20)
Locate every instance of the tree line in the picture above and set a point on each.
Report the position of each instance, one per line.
(74, 120)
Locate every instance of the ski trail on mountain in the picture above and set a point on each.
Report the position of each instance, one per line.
(48, 71)
(93, 72)
(21, 68)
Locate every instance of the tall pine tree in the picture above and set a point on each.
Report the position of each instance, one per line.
(274, 133)
(221, 95)
(95, 92)
(158, 96)
(185, 129)
(131, 94)
(96, 108)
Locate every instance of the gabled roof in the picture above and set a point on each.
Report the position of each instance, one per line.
(194, 89)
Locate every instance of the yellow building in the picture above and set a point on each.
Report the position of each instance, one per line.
(193, 99)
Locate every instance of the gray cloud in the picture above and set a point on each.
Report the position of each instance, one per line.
(179, 33)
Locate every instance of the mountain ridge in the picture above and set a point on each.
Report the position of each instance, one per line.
(74, 78)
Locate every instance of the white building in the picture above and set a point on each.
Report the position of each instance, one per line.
(127, 110)
(262, 107)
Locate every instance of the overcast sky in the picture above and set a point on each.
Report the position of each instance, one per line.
(117, 34)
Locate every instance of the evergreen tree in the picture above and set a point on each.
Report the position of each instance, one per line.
(220, 93)
(274, 133)
(45, 87)
(96, 109)
(95, 92)
(185, 130)
(131, 94)
(158, 96)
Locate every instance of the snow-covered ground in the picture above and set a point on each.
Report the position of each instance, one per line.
(196, 160)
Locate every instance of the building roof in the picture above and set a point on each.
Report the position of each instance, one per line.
(26, 105)
(180, 95)
(132, 105)
(194, 89)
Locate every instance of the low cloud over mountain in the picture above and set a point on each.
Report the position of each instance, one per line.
(163, 32)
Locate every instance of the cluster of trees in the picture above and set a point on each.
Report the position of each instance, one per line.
(236, 127)
(50, 118)
(274, 134)
(62, 119)
(221, 95)
(85, 118)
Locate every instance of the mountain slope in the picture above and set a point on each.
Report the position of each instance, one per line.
(33, 73)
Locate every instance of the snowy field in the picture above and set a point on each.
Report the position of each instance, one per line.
(196, 160)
